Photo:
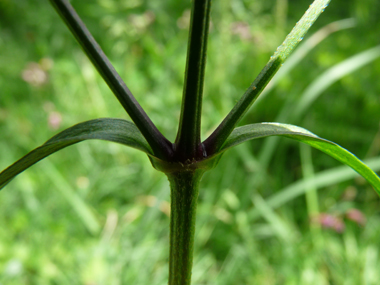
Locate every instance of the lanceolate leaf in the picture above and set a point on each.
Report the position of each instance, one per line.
(261, 130)
(115, 130)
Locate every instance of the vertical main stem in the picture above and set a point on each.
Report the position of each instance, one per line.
(184, 194)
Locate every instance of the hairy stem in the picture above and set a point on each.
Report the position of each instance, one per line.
(188, 136)
(184, 194)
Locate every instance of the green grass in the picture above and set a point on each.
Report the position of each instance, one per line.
(241, 238)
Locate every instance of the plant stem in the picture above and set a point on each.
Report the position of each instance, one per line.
(216, 140)
(161, 147)
(184, 194)
(188, 136)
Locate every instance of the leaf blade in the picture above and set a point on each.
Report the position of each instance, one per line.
(261, 130)
(114, 130)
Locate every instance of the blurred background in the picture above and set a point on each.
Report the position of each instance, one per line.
(272, 212)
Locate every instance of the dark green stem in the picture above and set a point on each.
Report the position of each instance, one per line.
(160, 145)
(188, 136)
(216, 140)
(184, 194)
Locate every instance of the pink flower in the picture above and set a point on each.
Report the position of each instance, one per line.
(356, 216)
(329, 221)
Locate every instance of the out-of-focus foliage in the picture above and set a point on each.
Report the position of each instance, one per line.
(47, 84)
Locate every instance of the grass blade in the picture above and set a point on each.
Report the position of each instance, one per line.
(83, 211)
(322, 179)
(332, 75)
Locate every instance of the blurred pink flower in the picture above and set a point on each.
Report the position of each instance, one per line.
(36, 73)
(356, 216)
(54, 120)
(329, 221)
(242, 30)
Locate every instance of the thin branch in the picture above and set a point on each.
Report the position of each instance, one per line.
(188, 136)
(160, 145)
(216, 140)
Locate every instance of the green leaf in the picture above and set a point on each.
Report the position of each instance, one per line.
(261, 130)
(114, 130)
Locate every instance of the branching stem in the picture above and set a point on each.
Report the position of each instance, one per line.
(159, 144)
(188, 136)
(216, 140)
